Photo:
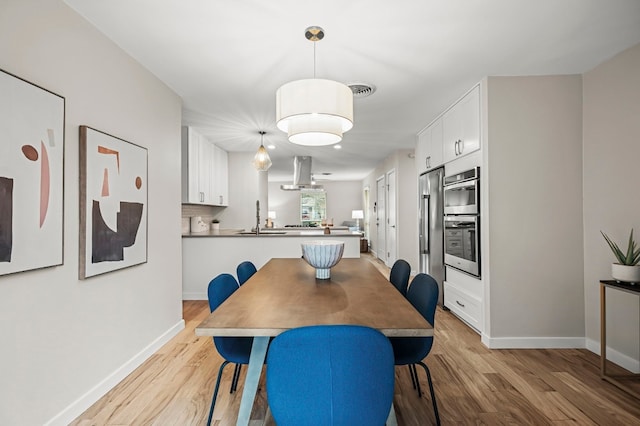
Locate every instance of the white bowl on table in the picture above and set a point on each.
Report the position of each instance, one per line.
(322, 255)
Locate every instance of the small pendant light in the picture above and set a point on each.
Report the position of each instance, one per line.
(261, 161)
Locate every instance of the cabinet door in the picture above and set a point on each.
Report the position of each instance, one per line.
(205, 172)
(422, 143)
(461, 127)
(450, 134)
(435, 145)
(220, 190)
(469, 111)
(191, 167)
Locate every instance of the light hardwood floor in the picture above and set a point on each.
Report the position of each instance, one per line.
(474, 385)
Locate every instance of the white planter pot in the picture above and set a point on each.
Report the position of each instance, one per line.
(625, 273)
(215, 226)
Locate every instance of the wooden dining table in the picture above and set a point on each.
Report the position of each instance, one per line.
(285, 294)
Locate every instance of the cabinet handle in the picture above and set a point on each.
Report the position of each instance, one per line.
(455, 148)
(221, 199)
(461, 146)
(458, 302)
(428, 161)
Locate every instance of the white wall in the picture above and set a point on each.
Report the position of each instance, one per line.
(611, 200)
(62, 337)
(244, 184)
(342, 198)
(535, 207)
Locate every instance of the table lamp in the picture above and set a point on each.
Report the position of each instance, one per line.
(357, 215)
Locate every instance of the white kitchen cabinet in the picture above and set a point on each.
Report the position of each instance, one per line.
(204, 170)
(466, 306)
(429, 147)
(461, 127)
(220, 183)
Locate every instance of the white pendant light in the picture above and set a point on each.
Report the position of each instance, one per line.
(261, 161)
(314, 112)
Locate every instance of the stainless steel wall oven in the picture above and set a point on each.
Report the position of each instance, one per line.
(462, 221)
(462, 193)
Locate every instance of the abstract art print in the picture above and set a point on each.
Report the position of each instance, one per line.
(113, 203)
(31, 176)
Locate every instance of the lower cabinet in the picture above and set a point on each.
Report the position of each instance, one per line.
(464, 305)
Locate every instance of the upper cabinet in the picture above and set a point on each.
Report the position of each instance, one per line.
(204, 170)
(429, 147)
(452, 135)
(220, 189)
(461, 126)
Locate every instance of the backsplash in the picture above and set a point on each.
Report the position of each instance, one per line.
(207, 213)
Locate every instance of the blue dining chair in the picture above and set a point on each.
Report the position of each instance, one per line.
(333, 375)
(232, 349)
(244, 271)
(423, 295)
(399, 275)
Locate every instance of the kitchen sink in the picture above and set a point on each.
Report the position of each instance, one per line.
(262, 233)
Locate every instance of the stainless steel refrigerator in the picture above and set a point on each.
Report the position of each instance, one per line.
(431, 223)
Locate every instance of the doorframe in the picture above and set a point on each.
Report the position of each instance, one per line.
(389, 228)
(381, 249)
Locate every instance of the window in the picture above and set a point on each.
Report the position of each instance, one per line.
(313, 208)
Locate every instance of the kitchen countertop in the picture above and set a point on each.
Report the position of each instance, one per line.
(287, 232)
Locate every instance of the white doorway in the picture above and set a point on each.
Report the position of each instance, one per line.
(379, 210)
(391, 241)
(367, 213)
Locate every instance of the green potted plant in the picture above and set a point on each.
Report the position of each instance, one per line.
(215, 225)
(627, 268)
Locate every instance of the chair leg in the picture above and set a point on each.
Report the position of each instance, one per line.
(433, 394)
(415, 378)
(236, 376)
(215, 392)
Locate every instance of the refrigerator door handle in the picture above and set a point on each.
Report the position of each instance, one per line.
(426, 199)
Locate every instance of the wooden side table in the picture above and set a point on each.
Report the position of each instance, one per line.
(617, 380)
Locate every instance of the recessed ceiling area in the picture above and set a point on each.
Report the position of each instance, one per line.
(227, 59)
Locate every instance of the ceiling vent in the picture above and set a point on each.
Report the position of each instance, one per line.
(362, 90)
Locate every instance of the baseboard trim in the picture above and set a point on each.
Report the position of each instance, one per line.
(533, 342)
(80, 405)
(195, 296)
(624, 361)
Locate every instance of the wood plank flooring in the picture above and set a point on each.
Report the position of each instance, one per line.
(474, 385)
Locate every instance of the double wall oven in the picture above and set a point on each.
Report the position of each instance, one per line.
(462, 221)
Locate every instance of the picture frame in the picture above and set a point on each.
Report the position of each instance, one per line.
(32, 136)
(113, 203)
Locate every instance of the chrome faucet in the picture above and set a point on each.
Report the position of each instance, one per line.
(257, 217)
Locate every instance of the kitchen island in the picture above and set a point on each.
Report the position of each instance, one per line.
(207, 254)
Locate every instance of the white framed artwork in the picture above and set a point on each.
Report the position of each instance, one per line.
(31, 176)
(113, 203)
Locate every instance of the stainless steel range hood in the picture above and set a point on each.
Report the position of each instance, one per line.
(302, 176)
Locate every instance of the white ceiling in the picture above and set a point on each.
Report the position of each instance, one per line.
(227, 58)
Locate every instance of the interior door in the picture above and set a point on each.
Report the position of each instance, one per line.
(391, 218)
(381, 248)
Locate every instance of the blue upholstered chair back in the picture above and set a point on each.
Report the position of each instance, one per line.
(244, 271)
(399, 276)
(423, 295)
(330, 375)
(234, 349)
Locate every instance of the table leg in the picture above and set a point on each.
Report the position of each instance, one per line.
(256, 360)
(391, 420)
